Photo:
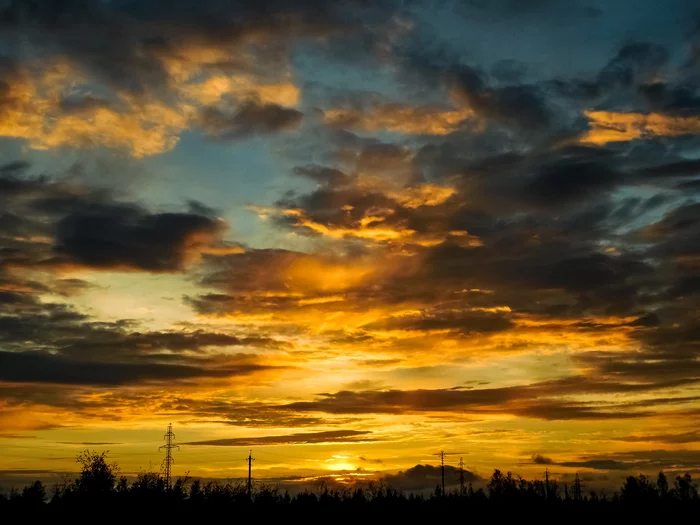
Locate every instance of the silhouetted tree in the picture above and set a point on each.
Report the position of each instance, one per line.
(33, 495)
(684, 489)
(662, 484)
(638, 490)
(97, 477)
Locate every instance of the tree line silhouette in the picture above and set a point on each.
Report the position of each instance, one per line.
(100, 489)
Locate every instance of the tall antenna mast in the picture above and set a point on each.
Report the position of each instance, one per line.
(168, 460)
(442, 455)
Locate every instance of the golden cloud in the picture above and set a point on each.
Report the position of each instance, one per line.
(608, 126)
(242, 88)
(423, 195)
(40, 105)
(397, 118)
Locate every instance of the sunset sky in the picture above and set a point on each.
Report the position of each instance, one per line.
(347, 235)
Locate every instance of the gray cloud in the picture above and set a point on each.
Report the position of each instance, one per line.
(40, 367)
(329, 436)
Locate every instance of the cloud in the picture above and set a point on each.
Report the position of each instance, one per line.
(224, 71)
(521, 106)
(427, 477)
(541, 460)
(607, 126)
(638, 461)
(597, 464)
(549, 400)
(507, 214)
(670, 438)
(397, 118)
(67, 225)
(40, 367)
(34, 108)
(120, 236)
(329, 436)
(462, 321)
(249, 120)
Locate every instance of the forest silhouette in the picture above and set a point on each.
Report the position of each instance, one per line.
(99, 490)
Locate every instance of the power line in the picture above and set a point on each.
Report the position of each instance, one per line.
(169, 446)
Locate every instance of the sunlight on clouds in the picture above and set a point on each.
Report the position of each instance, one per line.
(242, 87)
(36, 113)
(53, 107)
(375, 229)
(146, 129)
(396, 118)
(423, 195)
(608, 126)
(312, 274)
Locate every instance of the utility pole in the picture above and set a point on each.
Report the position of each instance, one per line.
(250, 477)
(168, 447)
(442, 455)
(546, 482)
(461, 476)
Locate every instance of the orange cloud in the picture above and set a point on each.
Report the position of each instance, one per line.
(242, 87)
(34, 111)
(608, 126)
(35, 107)
(423, 195)
(421, 120)
(312, 274)
(376, 229)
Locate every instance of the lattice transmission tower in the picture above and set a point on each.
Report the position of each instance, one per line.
(168, 447)
(442, 455)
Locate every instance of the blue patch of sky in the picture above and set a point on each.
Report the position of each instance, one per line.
(225, 175)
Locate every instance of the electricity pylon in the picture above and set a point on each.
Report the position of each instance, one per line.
(168, 460)
(442, 455)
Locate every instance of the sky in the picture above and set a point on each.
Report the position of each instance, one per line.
(348, 235)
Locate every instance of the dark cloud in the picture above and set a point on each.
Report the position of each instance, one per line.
(329, 436)
(680, 100)
(41, 367)
(126, 43)
(541, 460)
(323, 175)
(465, 322)
(522, 106)
(120, 236)
(427, 477)
(597, 464)
(566, 182)
(683, 437)
(89, 227)
(250, 120)
(545, 400)
(638, 461)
